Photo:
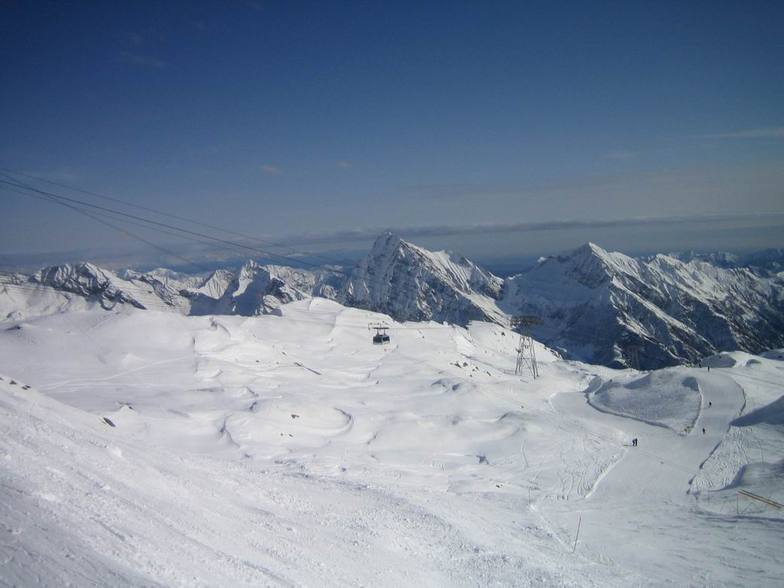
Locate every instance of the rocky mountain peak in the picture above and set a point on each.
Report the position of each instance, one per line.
(411, 283)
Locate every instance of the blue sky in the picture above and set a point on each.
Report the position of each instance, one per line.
(284, 119)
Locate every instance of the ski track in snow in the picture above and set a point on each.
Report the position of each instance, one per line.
(267, 451)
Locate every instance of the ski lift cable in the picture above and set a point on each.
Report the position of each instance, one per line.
(116, 228)
(291, 250)
(131, 235)
(106, 214)
(201, 266)
(138, 238)
(158, 224)
(94, 216)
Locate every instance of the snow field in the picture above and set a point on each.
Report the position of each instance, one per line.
(676, 401)
(289, 450)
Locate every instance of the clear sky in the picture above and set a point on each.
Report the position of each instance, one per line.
(284, 119)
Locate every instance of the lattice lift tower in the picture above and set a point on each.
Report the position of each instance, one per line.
(526, 352)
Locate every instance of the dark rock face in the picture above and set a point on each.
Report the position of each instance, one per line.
(87, 280)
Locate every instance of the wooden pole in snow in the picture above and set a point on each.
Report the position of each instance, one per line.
(761, 499)
(577, 536)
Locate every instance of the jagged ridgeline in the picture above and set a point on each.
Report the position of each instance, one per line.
(596, 306)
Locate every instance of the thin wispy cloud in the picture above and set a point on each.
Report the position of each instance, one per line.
(61, 174)
(272, 170)
(765, 133)
(253, 5)
(133, 38)
(343, 164)
(142, 60)
(369, 233)
(620, 154)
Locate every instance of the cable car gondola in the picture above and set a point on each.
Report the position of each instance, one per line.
(381, 337)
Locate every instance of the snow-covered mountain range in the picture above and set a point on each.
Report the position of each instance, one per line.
(596, 306)
(767, 260)
(615, 310)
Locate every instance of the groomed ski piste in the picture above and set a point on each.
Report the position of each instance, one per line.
(143, 448)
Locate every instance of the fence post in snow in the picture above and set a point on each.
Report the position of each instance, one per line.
(577, 536)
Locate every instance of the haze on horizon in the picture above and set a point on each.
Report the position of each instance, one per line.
(503, 130)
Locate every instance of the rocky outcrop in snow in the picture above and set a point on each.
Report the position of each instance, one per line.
(253, 289)
(86, 280)
(260, 289)
(107, 288)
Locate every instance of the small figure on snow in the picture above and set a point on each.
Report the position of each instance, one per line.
(710, 403)
(634, 442)
(703, 430)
